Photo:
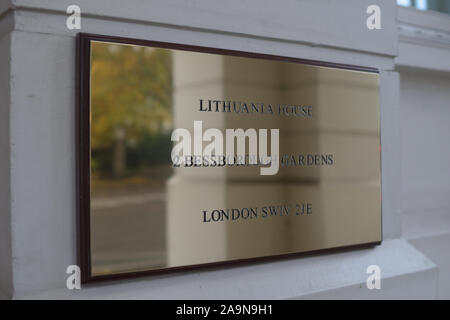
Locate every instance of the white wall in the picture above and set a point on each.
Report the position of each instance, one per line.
(41, 207)
(424, 66)
(5, 203)
(425, 126)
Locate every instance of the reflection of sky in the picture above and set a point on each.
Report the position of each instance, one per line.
(113, 48)
(418, 4)
(442, 6)
(405, 3)
(421, 4)
(437, 5)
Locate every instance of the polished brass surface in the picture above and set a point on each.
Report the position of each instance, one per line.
(321, 188)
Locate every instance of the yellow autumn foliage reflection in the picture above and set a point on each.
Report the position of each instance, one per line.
(131, 103)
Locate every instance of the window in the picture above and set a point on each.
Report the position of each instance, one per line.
(433, 5)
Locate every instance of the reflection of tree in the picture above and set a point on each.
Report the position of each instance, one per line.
(131, 98)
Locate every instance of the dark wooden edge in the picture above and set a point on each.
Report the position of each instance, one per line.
(83, 154)
(186, 47)
(82, 116)
(231, 263)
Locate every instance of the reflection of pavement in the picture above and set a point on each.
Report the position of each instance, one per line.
(118, 201)
(128, 232)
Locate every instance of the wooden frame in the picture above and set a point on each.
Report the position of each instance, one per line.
(83, 151)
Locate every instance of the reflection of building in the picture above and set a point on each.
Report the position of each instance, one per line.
(344, 124)
(37, 162)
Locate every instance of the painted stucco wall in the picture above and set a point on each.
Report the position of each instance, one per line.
(424, 66)
(425, 118)
(38, 203)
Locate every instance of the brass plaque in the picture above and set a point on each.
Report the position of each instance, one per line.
(197, 156)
